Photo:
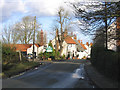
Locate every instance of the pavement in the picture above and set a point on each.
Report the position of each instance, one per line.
(98, 79)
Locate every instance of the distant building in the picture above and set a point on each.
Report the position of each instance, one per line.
(114, 35)
(25, 49)
(72, 47)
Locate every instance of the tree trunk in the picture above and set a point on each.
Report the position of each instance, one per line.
(61, 48)
(20, 55)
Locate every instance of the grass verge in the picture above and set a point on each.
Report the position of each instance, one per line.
(18, 68)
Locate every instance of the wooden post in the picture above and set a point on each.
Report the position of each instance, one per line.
(20, 55)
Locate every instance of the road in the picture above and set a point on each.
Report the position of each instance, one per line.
(60, 74)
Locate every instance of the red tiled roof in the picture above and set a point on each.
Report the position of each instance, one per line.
(87, 43)
(69, 40)
(22, 47)
(91, 44)
(83, 46)
(35, 44)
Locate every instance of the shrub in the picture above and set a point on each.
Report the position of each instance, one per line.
(9, 55)
(63, 57)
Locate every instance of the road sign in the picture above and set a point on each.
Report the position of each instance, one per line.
(49, 49)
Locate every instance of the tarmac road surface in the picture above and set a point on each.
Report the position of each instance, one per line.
(55, 75)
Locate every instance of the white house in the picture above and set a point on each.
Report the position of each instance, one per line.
(30, 49)
(69, 47)
(73, 47)
(111, 37)
(42, 49)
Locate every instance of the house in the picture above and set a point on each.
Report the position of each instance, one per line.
(111, 37)
(42, 49)
(30, 49)
(71, 46)
(113, 31)
(26, 49)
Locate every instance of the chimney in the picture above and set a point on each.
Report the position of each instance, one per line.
(41, 38)
(75, 37)
(87, 43)
(65, 33)
(79, 41)
(91, 44)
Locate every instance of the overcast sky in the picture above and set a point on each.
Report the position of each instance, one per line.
(45, 10)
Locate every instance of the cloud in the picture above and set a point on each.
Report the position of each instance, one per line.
(46, 7)
(9, 8)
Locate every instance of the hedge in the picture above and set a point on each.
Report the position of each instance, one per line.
(106, 61)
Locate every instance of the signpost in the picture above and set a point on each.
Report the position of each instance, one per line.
(49, 49)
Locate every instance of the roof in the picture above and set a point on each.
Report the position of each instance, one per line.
(69, 40)
(83, 45)
(91, 44)
(79, 47)
(22, 47)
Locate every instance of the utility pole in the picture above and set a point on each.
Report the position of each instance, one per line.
(34, 38)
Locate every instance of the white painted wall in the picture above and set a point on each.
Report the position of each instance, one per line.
(40, 49)
(84, 53)
(88, 50)
(30, 50)
(112, 45)
(64, 52)
(81, 54)
(112, 32)
(53, 43)
(72, 49)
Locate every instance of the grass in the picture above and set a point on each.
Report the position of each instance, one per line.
(18, 68)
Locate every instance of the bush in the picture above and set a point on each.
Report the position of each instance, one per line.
(63, 57)
(9, 55)
(53, 55)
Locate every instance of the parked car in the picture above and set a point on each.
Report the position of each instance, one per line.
(29, 56)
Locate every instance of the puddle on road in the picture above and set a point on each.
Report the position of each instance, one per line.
(82, 78)
(79, 73)
(71, 80)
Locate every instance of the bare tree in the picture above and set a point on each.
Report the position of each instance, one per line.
(6, 34)
(25, 29)
(63, 20)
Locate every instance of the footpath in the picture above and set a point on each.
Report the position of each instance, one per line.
(98, 79)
